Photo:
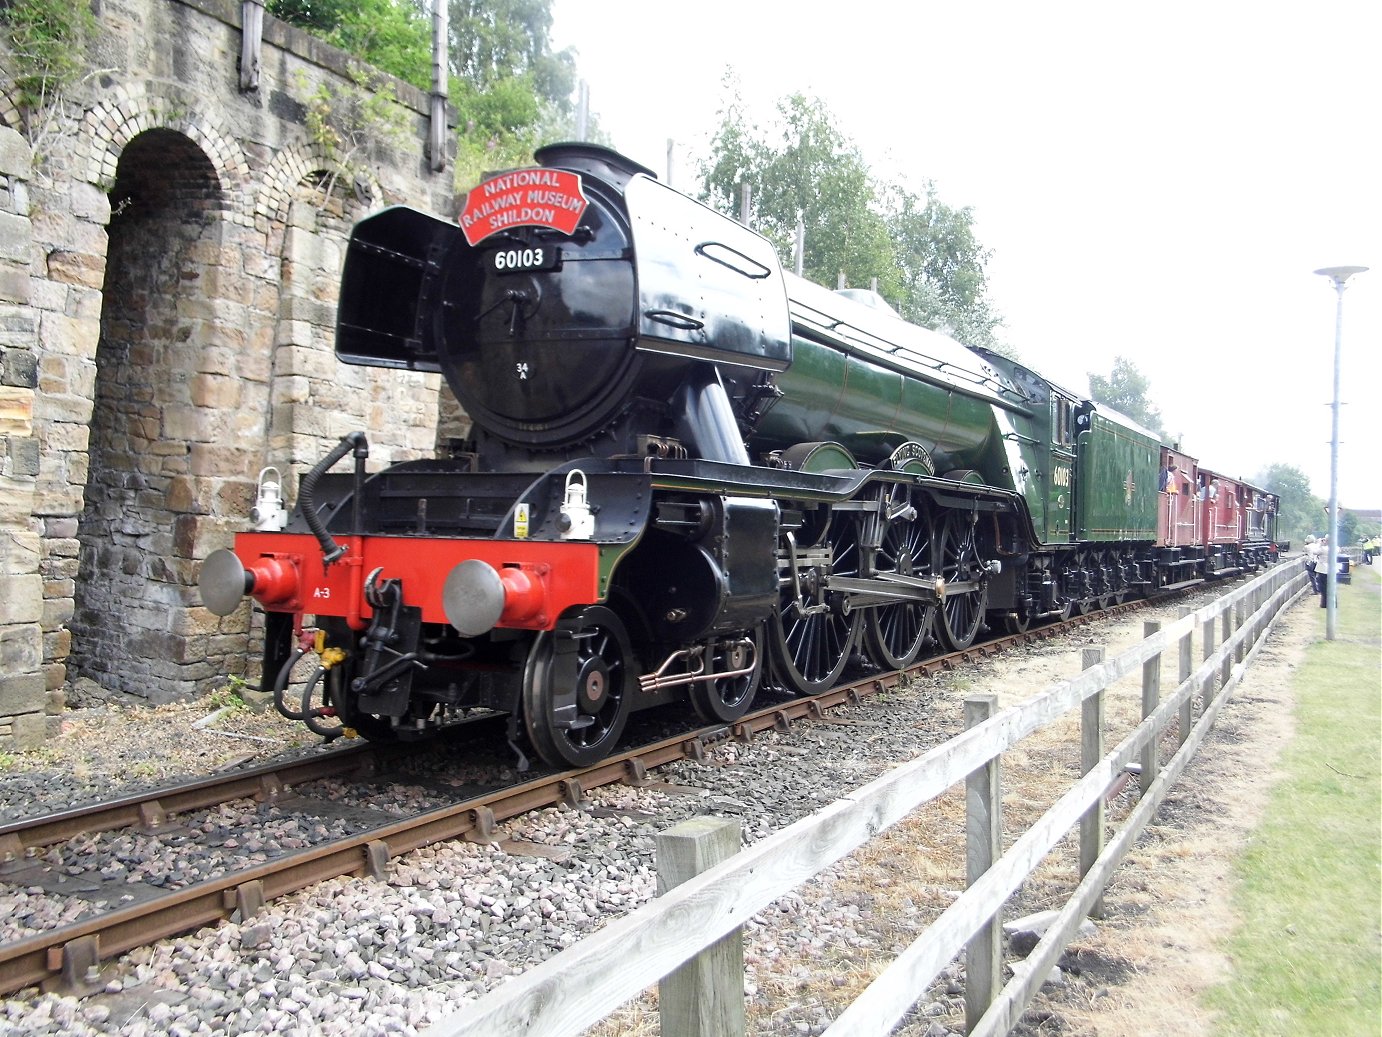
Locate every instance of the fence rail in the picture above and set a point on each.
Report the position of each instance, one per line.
(585, 983)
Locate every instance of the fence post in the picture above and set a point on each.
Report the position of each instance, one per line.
(1207, 650)
(1092, 827)
(1240, 620)
(1187, 709)
(705, 996)
(1226, 632)
(983, 846)
(1151, 698)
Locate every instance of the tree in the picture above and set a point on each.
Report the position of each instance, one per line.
(1348, 528)
(319, 17)
(1126, 390)
(1364, 522)
(802, 169)
(942, 267)
(394, 36)
(493, 41)
(510, 90)
(1300, 512)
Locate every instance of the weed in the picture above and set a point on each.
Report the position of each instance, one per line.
(45, 40)
(350, 122)
(231, 696)
(44, 57)
(43, 755)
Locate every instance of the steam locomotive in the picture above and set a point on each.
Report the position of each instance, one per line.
(689, 474)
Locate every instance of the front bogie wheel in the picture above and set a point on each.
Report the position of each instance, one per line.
(578, 688)
(1011, 623)
(735, 668)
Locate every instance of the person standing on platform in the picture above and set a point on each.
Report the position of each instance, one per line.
(1313, 550)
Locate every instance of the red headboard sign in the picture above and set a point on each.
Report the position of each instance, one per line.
(523, 198)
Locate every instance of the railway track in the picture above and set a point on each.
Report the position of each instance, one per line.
(68, 957)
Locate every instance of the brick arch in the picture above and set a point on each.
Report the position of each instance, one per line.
(138, 107)
(281, 183)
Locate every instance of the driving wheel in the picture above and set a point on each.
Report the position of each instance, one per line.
(957, 557)
(894, 634)
(813, 630)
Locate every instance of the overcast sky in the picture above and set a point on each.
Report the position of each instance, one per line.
(1154, 181)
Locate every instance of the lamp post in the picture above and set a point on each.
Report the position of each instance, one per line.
(1337, 274)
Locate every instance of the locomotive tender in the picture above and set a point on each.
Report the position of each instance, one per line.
(689, 473)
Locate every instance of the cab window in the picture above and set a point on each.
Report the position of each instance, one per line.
(1064, 435)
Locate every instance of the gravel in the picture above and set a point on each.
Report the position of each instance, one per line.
(453, 921)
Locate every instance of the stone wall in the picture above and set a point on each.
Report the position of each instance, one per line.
(169, 261)
(23, 689)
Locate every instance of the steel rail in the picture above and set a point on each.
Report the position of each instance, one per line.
(68, 957)
(150, 809)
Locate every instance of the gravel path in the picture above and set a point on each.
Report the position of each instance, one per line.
(451, 922)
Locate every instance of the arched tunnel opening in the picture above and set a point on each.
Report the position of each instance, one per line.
(130, 629)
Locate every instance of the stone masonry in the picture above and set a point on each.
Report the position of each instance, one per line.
(170, 250)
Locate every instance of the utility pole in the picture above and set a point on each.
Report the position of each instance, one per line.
(1337, 274)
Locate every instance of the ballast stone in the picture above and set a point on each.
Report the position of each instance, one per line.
(1025, 933)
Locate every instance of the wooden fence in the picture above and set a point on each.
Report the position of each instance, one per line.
(690, 929)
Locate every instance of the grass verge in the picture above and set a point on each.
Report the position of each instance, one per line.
(1307, 954)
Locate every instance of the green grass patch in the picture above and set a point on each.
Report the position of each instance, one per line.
(231, 696)
(1307, 957)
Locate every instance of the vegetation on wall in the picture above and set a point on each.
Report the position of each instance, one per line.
(350, 121)
(44, 56)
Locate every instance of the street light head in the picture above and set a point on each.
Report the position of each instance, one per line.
(1340, 274)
